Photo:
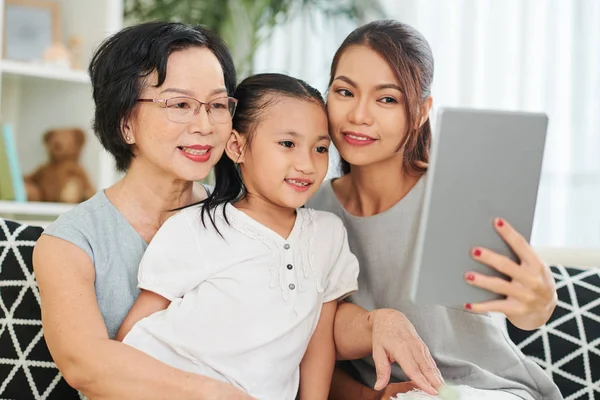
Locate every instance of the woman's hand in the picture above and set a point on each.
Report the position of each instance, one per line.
(394, 389)
(396, 340)
(531, 292)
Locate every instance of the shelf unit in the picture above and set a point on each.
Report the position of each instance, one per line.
(16, 68)
(35, 98)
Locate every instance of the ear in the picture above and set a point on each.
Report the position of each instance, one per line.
(235, 147)
(48, 135)
(79, 137)
(425, 109)
(127, 131)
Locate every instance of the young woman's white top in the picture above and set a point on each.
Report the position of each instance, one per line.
(244, 300)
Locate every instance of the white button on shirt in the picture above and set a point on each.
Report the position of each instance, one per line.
(244, 305)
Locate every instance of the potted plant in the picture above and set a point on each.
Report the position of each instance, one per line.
(244, 24)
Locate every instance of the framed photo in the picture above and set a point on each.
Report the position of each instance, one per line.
(30, 27)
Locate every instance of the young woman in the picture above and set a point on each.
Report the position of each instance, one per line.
(86, 262)
(234, 288)
(378, 104)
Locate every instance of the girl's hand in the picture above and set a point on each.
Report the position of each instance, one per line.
(531, 292)
(396, 340)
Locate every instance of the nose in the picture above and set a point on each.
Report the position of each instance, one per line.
(360, 113)
(201, 123)
(305, 162)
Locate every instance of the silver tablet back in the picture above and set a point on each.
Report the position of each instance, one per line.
(484, 164)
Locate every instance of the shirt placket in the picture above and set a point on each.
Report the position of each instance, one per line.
(289, 271)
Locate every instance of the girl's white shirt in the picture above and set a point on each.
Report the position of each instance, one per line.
(245, 302)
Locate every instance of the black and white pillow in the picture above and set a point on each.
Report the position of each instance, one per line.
(26, 367)
(568, 346)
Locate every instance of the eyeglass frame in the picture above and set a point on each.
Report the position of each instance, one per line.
(163, 103)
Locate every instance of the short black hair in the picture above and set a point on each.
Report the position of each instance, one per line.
(125, 59)
(255, 95)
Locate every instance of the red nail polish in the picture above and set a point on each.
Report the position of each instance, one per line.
(468, 306)
(470, 276)
(476, 252)
(500, 223)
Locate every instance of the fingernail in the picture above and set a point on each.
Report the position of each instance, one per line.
(500, 223)
(476, 252)
(468, 306)
(470, 276)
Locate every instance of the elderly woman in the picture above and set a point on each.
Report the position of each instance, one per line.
(163, 111)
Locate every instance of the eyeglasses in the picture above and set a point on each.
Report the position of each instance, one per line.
(183, 109)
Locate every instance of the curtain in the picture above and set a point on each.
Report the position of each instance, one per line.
(534, 55)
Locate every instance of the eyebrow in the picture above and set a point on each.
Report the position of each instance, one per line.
(378, 87)
(296, 134)
(190, 93)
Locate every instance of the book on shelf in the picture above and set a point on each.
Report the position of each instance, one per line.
(12, 184)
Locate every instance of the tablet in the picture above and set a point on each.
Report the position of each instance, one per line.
(484, 164)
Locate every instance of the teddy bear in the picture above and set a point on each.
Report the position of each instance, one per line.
(62, 178)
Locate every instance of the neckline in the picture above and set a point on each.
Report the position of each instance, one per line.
(413, 192)
(121, 216)
(107, 201)
(262, 229)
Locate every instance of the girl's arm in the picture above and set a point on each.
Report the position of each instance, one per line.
(146, 304)
(344, 387)
(317, 365)
(78, 341)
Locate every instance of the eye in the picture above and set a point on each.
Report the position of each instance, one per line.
(287, 144)
(322, 149)
(388, 100)
(179, 104)
(218, 105)
(344, 92)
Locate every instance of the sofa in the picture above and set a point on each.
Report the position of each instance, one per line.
(567, 347)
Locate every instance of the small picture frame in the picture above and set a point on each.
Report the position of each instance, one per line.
(30, 27)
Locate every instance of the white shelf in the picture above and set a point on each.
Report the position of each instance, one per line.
(33, 208)
(43, 71)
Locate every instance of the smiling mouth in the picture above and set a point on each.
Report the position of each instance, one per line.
(194, 152)
(358, 137)
(298, 183)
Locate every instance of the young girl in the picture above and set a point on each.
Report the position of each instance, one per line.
(244, 286)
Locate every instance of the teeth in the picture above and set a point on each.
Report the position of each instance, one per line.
(357, 137)
(295, 182)
(194, 152)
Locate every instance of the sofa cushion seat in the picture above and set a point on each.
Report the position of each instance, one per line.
(26, 367)
(568, 346)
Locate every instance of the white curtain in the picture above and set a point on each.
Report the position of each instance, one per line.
(529, 55)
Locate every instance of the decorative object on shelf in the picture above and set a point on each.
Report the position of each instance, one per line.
(243, 24)
(62, 179)
(75, 48)
(30, 27)
(57, 55)
(11, 184)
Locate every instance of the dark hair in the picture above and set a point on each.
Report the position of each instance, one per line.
(255, 95)
(409, 56)
(122, 62)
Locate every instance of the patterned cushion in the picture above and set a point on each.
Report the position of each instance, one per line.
(568, 346)
(26, 368)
